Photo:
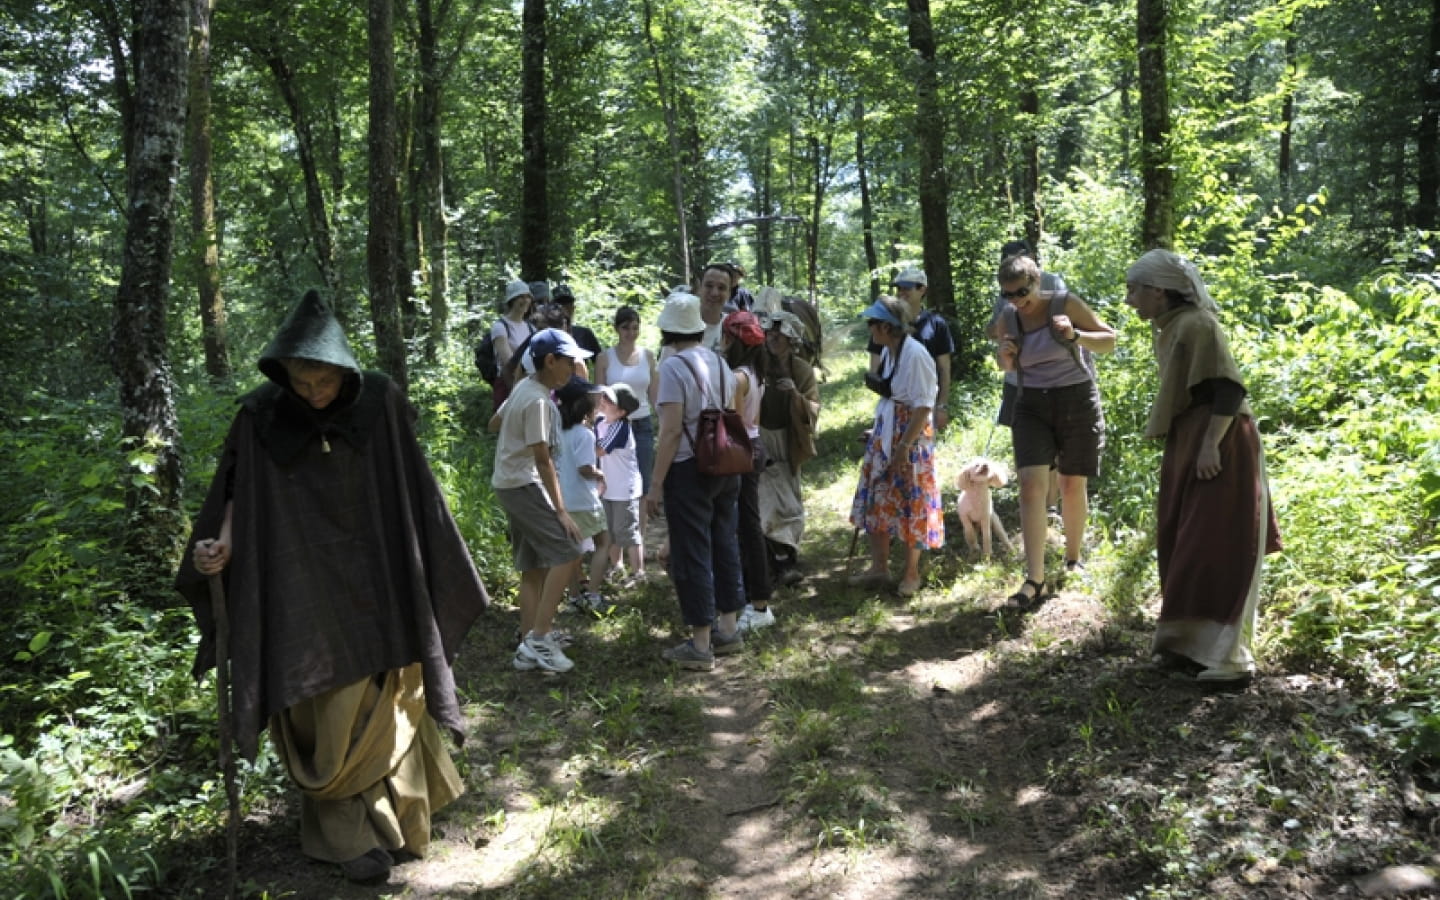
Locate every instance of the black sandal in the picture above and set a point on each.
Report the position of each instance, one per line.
(1020, 599)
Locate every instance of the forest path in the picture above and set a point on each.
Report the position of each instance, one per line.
(870, 746)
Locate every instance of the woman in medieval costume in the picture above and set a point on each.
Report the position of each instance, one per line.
(349, 591)
(788, 412)
(1215, 522)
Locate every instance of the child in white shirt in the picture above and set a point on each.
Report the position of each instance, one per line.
(623, 482)
(581, 482)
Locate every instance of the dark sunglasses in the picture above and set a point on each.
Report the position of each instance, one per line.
(906, 285)
(1017, 293)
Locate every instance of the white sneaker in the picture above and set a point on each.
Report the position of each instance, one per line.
(753, 619)
(546, 653)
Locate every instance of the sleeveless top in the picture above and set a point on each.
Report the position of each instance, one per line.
(1048, 364)
(750, 414)
(637, 376)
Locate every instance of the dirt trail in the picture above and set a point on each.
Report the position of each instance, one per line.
(1000, 757)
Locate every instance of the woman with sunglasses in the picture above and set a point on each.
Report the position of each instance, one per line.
(1047, 339)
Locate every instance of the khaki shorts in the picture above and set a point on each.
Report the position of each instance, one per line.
(537, 539)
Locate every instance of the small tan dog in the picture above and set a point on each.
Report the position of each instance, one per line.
(977, 509)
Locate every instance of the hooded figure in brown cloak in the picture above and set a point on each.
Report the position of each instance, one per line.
(349, 591)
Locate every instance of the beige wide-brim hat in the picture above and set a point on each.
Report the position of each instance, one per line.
(681, 314)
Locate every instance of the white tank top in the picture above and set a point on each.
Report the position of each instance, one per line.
(637, 376)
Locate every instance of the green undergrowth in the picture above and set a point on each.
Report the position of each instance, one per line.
(108, 785)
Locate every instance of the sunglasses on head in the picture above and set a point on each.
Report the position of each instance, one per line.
(1017, 293)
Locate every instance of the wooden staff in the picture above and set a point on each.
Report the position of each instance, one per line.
(227, 735)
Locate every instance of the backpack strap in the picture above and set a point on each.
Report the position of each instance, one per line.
(1057, 308)
(704, 393)
(1011, 318)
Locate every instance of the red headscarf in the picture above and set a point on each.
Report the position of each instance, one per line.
(745, 328)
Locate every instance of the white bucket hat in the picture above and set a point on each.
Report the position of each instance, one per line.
(681, 314)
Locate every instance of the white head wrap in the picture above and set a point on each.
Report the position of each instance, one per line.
(1172, 272)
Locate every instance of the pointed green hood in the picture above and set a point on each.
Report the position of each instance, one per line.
(311, 331)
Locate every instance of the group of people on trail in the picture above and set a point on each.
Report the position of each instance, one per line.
(729, 539)
(1214, 509)
(350, 588)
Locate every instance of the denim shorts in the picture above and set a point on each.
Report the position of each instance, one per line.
(1063, 424)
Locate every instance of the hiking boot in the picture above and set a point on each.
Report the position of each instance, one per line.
(753, 619)
(687, 656)
(546, 652)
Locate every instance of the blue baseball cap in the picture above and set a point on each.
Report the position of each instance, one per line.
(553, 340)
(879, 313)
(575, 387)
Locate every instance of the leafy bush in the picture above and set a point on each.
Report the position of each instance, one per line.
(108, 741)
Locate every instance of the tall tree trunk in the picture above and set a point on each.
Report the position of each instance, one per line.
(535, 212)
(692, 159)
(765, 207)
(431, 182)
(867, 213)
(672, 134)
(934, 183)
(202, 197)
(1030, 167)
(412, 226)
(316, 210)
(138, 343)
(820, 153)
(1399, 186)
(1287, 115)
(1427, 136)
(1156, 176)
(383, 245)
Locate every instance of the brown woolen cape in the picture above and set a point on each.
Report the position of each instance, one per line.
(344, 564)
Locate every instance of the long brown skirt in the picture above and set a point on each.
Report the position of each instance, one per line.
(1211, 539)
(370, 766)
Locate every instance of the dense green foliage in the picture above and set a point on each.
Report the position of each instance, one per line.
(1328, 289)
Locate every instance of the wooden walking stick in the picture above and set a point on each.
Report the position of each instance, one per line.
(227, 736)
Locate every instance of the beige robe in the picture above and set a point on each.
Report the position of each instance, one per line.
(370, 764)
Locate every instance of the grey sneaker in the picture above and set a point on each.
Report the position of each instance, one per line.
(547, 653)
(592, 601)
(686, 656)
(725, 644)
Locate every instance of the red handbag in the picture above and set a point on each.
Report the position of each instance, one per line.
(722, 445)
